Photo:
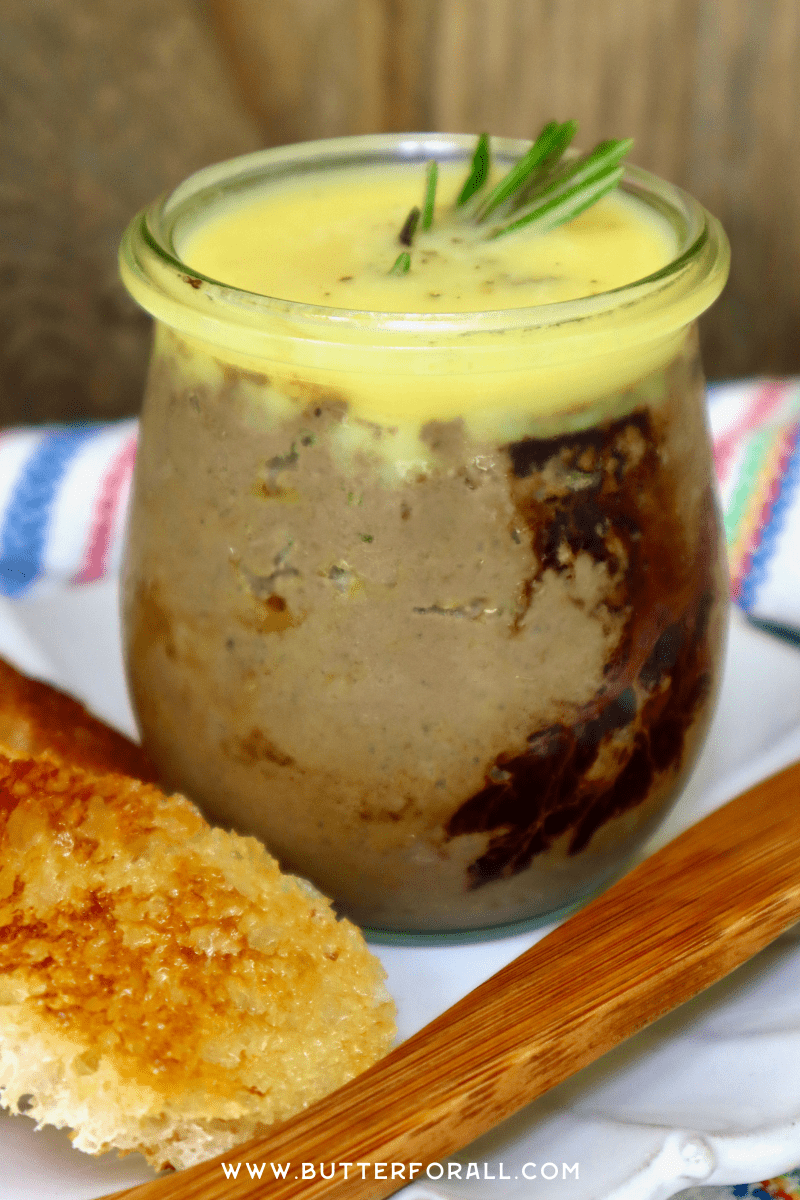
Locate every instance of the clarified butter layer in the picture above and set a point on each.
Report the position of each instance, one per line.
(329, 240)
(332, 241)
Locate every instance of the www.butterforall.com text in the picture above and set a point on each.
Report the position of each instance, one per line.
(402, 1171)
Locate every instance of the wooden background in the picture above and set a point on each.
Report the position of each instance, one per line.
(112, 103)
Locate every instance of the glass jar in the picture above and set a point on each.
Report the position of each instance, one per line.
(453, 667)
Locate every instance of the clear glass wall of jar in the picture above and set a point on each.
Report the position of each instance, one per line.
(454, 670)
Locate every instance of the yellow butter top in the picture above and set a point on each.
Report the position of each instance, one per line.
(330, 239)
(278, 264)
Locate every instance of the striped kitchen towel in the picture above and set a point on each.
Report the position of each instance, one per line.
(63, 500)
(783, 1187)
(755, 426)
(64, 493)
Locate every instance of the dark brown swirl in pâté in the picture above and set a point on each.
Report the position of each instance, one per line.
(603, 492)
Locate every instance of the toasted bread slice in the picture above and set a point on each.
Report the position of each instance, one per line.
(163, 987)
(35, 717)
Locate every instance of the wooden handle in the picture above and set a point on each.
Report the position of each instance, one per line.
(680, 921)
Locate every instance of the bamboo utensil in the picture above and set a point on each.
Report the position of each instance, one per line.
(678, 922)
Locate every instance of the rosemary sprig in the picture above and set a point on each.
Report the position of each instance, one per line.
(541, 189)
(406, 234)
(571, 188)
(401, 264)
(550, 140)
(562, 138)
(479, 171)
(549, 214)
(430, 194)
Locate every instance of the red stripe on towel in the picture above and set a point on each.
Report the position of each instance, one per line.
(95, 559)
(765, 401)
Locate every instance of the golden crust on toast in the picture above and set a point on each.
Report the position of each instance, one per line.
(163, 987)
(35, 717)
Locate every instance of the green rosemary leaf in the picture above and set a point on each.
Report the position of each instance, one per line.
(542, 189)
(479, 171)
(554, 138)
(401, 264)
(406, 234)
(561, 140)
(588, 176)
(555, 210)
(605, 156)
(430, 194)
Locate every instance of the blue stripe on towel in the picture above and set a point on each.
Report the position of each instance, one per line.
(787, 490)
(24, 531)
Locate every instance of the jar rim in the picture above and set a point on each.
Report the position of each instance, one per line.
(155, 275)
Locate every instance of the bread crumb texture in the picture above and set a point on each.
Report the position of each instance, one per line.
(163, 987)
(35, 717)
